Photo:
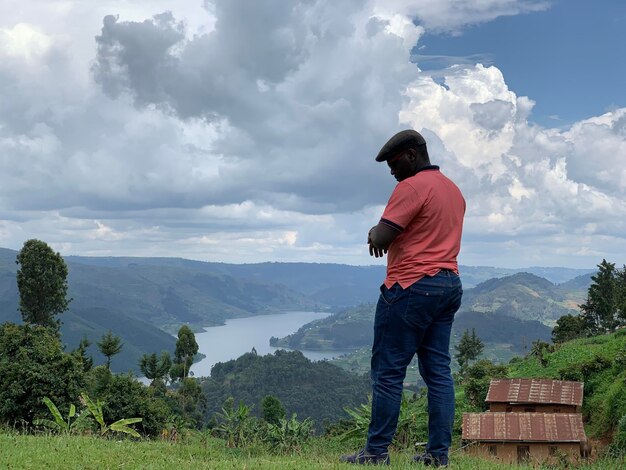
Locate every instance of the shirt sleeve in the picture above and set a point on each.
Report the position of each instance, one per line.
(402, 207)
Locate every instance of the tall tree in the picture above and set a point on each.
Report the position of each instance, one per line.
(620, 279)
(186, 349)
(109, 346)
(81, 352)
(42, 284)
(599, 311)
(568, 327)
(470, 347)
(272, 409)
(155, 368)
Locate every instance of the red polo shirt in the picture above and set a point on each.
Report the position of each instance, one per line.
(428, 210)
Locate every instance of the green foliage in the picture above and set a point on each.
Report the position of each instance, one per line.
(273, 410)
(235, 425)
(583, 371)
(81, 352)
(121, 425)
(109, 346)
(123, 396)
(568, 327)
(595, 361)
(606, 300)
(477, 379)
(468, 349)
(618, 446)
(541, 350)
(33, 365)
(61, 451)
(42, 283)
(191, 400)
(186, 349)
(412, 422)
(316, 390)
(287, 435)
(60, 424)
(155, 368)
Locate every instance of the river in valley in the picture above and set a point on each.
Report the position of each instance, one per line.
(240, 335)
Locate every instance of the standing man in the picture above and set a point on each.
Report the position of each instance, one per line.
(421, 231)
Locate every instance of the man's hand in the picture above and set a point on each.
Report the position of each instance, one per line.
(377, 252)
(374, 250)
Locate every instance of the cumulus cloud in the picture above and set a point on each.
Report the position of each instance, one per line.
(202, 131)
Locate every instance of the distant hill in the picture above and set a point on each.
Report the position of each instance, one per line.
(337, 285)
(146, 300)
(352, 329)
(522, 295)
(145, 304)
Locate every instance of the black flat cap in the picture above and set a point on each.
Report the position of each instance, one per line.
(401, 141)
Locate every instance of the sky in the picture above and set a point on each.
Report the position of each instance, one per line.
(242, 132)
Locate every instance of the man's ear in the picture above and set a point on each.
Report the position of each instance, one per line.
(411, 155)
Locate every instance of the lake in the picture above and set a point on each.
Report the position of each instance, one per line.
(238, 336)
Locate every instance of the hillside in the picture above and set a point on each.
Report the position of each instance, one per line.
(145, 300)
(599, 362)
(318, 390)
(522, 295)
(146, 304)
(338, 285)
(507, 312)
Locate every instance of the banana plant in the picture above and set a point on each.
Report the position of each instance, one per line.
(121, 425)
(59, 423)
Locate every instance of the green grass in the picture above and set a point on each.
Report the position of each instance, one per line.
(577, 351)
(71, 452)
(605, 387)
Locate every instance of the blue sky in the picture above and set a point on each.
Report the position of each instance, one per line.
(569, 58)
(192, 129)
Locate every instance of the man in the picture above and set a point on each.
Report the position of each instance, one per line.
(421, 230)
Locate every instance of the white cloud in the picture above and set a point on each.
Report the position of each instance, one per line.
(208, 133)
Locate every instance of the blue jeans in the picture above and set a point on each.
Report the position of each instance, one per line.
(417, 320)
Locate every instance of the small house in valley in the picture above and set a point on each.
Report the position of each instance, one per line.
(524, 437)
(535, 396)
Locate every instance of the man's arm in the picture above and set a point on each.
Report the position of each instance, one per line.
(380, 238)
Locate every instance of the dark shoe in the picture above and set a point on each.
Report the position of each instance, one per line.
(431, 461)
(363, 457)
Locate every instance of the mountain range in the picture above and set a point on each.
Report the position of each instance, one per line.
(146, 300)
(508, 314)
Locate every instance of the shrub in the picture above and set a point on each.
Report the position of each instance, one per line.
(618, 446)
(124, 396)
(412, 422)
(287, 436)
(582, 371)
(235, 425)
(477, 380)
(33, 366)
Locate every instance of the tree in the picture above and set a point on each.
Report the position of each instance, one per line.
(620, 279)
(42, 284)
(81, 352)
(186, 349)
(109, 346)
(600, 308)
(477, 380)
(540, 350)
(470, 347)
(567, 328)
(33, 365)
(272, 410)
(154, 368)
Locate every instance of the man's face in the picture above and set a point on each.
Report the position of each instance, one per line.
(402, 165)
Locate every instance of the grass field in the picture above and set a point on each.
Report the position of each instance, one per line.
(73, 452)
